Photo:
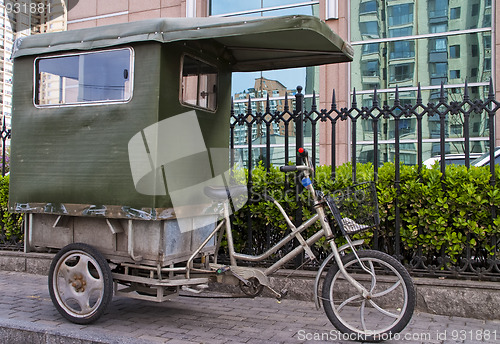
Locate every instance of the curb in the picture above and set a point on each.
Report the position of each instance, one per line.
(22, 332)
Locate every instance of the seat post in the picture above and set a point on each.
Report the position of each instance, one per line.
(229, 233)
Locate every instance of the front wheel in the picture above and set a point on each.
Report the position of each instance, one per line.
(80, 283)
(386, 309)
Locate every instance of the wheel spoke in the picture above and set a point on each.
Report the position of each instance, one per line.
(352, 312)
(362, 315)
(82, 265)
(64, 271)
(83, 300)
(374, 277)
(352, 298)
(383, 311)
(387, 291)
(94, 284)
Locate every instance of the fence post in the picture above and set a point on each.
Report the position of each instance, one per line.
(5, 134)
(299, 142)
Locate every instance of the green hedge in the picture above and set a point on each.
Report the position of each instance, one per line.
(11, 228)
(436, 214)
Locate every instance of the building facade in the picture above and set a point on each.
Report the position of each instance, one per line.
(18, 19)
(397, 42)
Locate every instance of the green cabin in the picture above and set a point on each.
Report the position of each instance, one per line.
(80, 97)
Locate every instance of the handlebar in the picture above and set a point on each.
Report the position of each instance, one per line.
(288, 168)
(302, 152)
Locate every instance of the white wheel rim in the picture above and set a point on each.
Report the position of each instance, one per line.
(371, 304)
(78, 288)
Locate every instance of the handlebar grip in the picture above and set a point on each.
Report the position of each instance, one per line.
(288, 168)
(302, 152)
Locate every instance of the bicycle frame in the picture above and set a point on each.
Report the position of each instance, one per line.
(295, 232)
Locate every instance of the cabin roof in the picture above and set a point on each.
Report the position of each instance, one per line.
(259, 43)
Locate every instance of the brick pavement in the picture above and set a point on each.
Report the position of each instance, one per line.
(28, 316)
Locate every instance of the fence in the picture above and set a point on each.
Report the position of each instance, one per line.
(473, 262)
(7, 242)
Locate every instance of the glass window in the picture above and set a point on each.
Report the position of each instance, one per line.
(437, 28)
(370, 68)
(438, 8)
(474, 50)
(401, 50)
(369, 28)
(455, 74)
(439, 70)
(219, 7)
(401, 32)
(487, 20)
(401, 72)
(400, 14)
(103, 76)
(199, 83)
(475, 10)
(455, 13)
(487, 41)
(438, 44)
(431, 51)
(368, 7)
(454, 51)
(269, 7)
(370, 48)
(487, 63)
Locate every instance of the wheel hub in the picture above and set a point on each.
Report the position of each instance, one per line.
(78, 282)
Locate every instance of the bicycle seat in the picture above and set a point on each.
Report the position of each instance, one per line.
(221, 193)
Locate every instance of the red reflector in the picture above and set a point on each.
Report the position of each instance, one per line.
(301, 150)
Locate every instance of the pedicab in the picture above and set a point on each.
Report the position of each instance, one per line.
(120, 161)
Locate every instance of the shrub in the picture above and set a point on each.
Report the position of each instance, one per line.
(449, 216)
(12, 229)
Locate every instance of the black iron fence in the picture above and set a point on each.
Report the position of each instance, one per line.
(10, 239)
(261, 137)
(436, 128)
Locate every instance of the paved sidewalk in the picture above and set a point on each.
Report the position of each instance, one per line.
(28, 316)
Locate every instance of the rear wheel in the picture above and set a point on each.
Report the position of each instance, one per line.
(388, 307)
(80, 283)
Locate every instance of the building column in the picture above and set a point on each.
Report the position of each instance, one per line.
(335, 77)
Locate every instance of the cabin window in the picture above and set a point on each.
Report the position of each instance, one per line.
(199, 84)
(96, 77)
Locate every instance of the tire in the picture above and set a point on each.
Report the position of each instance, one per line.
(80, 283)
(386, 311)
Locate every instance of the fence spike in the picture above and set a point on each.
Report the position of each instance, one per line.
(286, 108)
(249, 107)
(354, 102)
(491, 92)
(419, 94)
(396, 96)
(375, 97)
(334, 100)
(441, 93)
(466, 90)
(314, 101)
(268, 107)
(232, 106)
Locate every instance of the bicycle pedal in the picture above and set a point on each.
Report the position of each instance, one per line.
(222, 270)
